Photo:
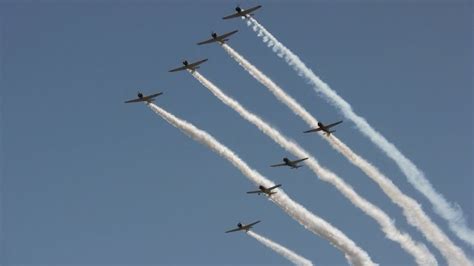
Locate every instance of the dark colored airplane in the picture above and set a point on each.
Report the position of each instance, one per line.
(267, 191)
(290, 163)
(322, 127)
(189, 66)
(216, 38)
(243, 227)
(242, 13)
(141, 98)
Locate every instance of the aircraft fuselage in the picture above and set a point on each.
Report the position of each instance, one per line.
(290, 163)
(323, 127)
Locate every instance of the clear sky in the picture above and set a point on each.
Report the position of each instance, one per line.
(87, 179)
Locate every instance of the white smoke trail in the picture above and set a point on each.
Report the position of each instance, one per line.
(448, 211)
(411, 208)
(417, 250)
(353, 253)
(288, 254)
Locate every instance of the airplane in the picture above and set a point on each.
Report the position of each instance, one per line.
(243, 227)
(242, 13)
(216, 38)
(292, 164)
(189, 66)
(324, 128)
(141, 98)
(265, 190)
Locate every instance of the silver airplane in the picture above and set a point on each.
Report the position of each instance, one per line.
(246, 13)
(243, 227)
(290, 163)
(267, 191)
(141, 98)
(189, 66)
(218, 38)
(322, 127)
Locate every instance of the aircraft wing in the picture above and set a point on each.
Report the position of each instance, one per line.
(275, 186)
(276, 165)
(137, 100)
(154, 95)
(252, 9)
(207, 41)
(178, 69)
(193, 65)
(300, 160)
(254, 192)
(235, 15)
(225, 35)
(234, 230)
(252, 224)
(313, 130)
(333, 124)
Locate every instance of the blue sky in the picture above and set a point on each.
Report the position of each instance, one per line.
(87, 179)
